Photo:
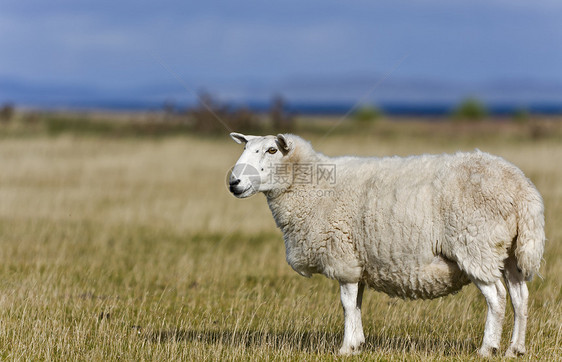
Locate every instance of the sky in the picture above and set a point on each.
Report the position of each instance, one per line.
(245, 48)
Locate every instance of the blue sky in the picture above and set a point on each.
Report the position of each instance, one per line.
(258, 46)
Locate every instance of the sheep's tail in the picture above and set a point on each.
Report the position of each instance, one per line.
(530, 242)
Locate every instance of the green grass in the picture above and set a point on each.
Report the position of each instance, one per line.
(132, 249)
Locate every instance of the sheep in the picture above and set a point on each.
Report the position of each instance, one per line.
(414, 227)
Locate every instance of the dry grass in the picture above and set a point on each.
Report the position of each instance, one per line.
(133, 249)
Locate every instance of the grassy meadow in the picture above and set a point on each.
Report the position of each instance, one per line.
(131, 248)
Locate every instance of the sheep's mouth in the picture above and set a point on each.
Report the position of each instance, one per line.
(238, 193)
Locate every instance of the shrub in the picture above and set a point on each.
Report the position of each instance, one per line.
(281, 120)
(7, 112)
(209, 116)
(470, 109)
(367, 113)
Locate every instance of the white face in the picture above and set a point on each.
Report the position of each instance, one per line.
(254, 170)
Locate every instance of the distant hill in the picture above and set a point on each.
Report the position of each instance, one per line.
(333, 95)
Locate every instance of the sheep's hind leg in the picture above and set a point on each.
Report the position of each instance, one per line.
(351, 298)
(519, 296)
(495, 298)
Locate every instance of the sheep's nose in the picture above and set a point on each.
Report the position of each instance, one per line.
(234, 182)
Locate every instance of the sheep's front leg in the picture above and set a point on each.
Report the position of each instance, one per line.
(351, 297)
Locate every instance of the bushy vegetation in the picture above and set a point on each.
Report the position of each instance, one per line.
(367, 114)
(281, 120)
(471, 109)
(7, 112)
(210, 117)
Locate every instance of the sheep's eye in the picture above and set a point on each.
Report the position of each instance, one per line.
(272, 150)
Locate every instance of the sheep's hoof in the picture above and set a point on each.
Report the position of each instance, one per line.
(349, 350)
(487, 351)
(514, 351)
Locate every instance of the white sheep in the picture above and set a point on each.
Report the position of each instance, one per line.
(415, 227)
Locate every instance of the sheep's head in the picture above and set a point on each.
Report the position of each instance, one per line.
(262, 166)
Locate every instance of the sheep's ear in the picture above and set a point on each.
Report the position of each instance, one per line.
(242, 138)
(239, 138)
(284, 144)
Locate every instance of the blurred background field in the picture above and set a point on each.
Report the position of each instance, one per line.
(125, 244)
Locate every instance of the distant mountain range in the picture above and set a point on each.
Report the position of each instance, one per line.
(303, 94)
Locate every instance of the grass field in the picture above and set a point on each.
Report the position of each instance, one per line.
(132, 248)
